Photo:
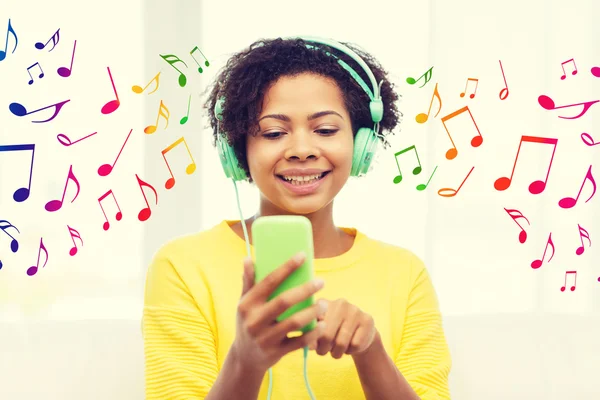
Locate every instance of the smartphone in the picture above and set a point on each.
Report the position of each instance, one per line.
(276, 239)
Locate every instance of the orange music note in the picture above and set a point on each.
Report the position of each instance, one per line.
(569, 202)
(563, 68)
(14, 244)
(515, 214)
(423, 186)
(119, 214)
(19, 110)
(422, 118)
(55, 39)
(562, 289)
(472, 95)
(54, 205)
(538, 263)
(583, 234)
(454, 192)
(547, 103)
(10, 30)
(34, 269)
(588, 139)
(535, 187)
(106, 169)
(145, 213)
(185, 119)
(65, 141)
(41, 75)
(172, 59)
(189, 169)
(74, 234)
(205, 62)
(427, 75)
(138, 89)
(505, 84)
(162, 109)
(23, 193)
(64, 71)
(112, 105)
(416, 170)
(475, 142)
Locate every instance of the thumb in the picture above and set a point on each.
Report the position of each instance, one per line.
(248, 276)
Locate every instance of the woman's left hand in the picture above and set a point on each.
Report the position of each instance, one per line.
(348, 330)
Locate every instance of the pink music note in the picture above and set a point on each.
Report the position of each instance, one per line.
(538, 263)
(10, 30)
(119, 214)
(583, 234)
(145, 213)
(64, 71)
(55, 39)
(19, 110)
(515, 214)
(14, 244)
(74, 234)
(23, 193)
(505, 84)
(475, 141)
(65, 141)
(189, 169)
(548, 104)
(454, 192)
(569, 202)
(472, 95)
(595, 71)
(41, 75)
(106, 169)
(588, 139)
(423, 186)
(163, 111)
(535, 187)
(34, 269)
(563, 68)
(112, 105)
(562, 289)
(54, 205)
(422, 117)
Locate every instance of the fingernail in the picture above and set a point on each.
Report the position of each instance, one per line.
(322, 305)
(299, 257)
(319, 283)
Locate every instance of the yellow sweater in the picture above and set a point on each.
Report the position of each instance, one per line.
(192, 291)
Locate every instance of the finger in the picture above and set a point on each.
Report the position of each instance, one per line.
(298, 342)
(276, 306)
(333, 318)
(265, 287)
(343, 337)
(297, 321)
(359, 337)
(247, 279)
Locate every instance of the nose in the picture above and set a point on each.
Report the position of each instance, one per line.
(302, 146)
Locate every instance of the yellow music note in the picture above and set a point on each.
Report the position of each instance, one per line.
(161, 112)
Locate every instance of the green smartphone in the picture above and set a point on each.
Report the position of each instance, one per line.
(276, 239)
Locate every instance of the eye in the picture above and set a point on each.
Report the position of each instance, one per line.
(271, 135)
(327, 132)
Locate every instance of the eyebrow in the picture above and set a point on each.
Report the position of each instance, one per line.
(283, 117)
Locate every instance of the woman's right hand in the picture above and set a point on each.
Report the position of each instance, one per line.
(260, 340)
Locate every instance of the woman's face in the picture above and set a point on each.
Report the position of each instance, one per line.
(305, 131)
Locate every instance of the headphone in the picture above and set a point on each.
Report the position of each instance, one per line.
(365, 142)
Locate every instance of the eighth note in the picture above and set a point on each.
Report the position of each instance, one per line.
(106, 169)
(112, 105)
(64, 71)
(55, 205)
(422, 117)
(145, 213)
(185, 119)
(34, 269)
(454, 192)
(189, 169)
(14, 244)
(515, 214)
(583, 234)
(475, 141)
(588, 139)
(416, 170)
(138, 89)
(10, 30)
(423, 186)
(29, 72)
(74, 234)
(538, 263)
(472, 95)
(569, 202)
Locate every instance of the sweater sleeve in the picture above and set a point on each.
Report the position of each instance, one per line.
(179, 345)
(424, 357)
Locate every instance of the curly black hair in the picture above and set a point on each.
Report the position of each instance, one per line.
(248, 75)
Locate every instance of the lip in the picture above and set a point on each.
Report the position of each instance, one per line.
(304, 189)
(302, 171)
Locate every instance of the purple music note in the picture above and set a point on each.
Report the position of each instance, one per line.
(64, 71)
(54, 205)
(19, 110)
(34, 269)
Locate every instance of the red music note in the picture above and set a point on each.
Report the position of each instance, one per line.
(587, 139)
(14, 244)
(189, 169)
(10, 30)
(596, 72)
(74, 234)
(562, 289)
(41, 75)
(112, 105)
(535, 187)
(162, 111)
(119, 214)
(422, 118)
(64, 71)
(145, 213)
(65, 141)
(19, 110)
(538, 263)
(583, 234)
(416, 170)
(423, 186)
(172, 59)
(54, 205)
(475, 142)
(205, 62)
(106, 169)
(21, 194)
(34, 269)
(55, 39)
(472, 95)
(569, 202)
(563, 68)
(138, 89)
(515, 214)
(453, 192)
(505, 84)
(547, 103)
(427, 75)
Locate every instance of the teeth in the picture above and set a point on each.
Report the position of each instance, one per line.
(302, 180)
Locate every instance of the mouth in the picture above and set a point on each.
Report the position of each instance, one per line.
(304, 181)
(303, 187)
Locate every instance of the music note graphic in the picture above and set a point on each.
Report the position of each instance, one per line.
(188, 170)
(19, 110)
(112, 105)
(64, 71)
(55, 39)
(535, 187)
(185, 119)
(55, 205)
(475, 141)
(172, 59)
(563, 68)
(562, 289)
(14, 244)
(416, 170)
(138, 89)
(65, 141)
(505, 89)
(423, 186)
(106, 169)
(427, 75)
(472, 95)
(29, 72)
(587, 139)
(205, 62)
(515, 214)
(595, 71)
(34, 269)
(10, 30)
(145, 213)
(119, 214)
(548, 104)
(454, 192)
(422, 117)
(538, 263)
(583, 234)
(21, 194)
(74, 234)
(162, 109)
(569, 202)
